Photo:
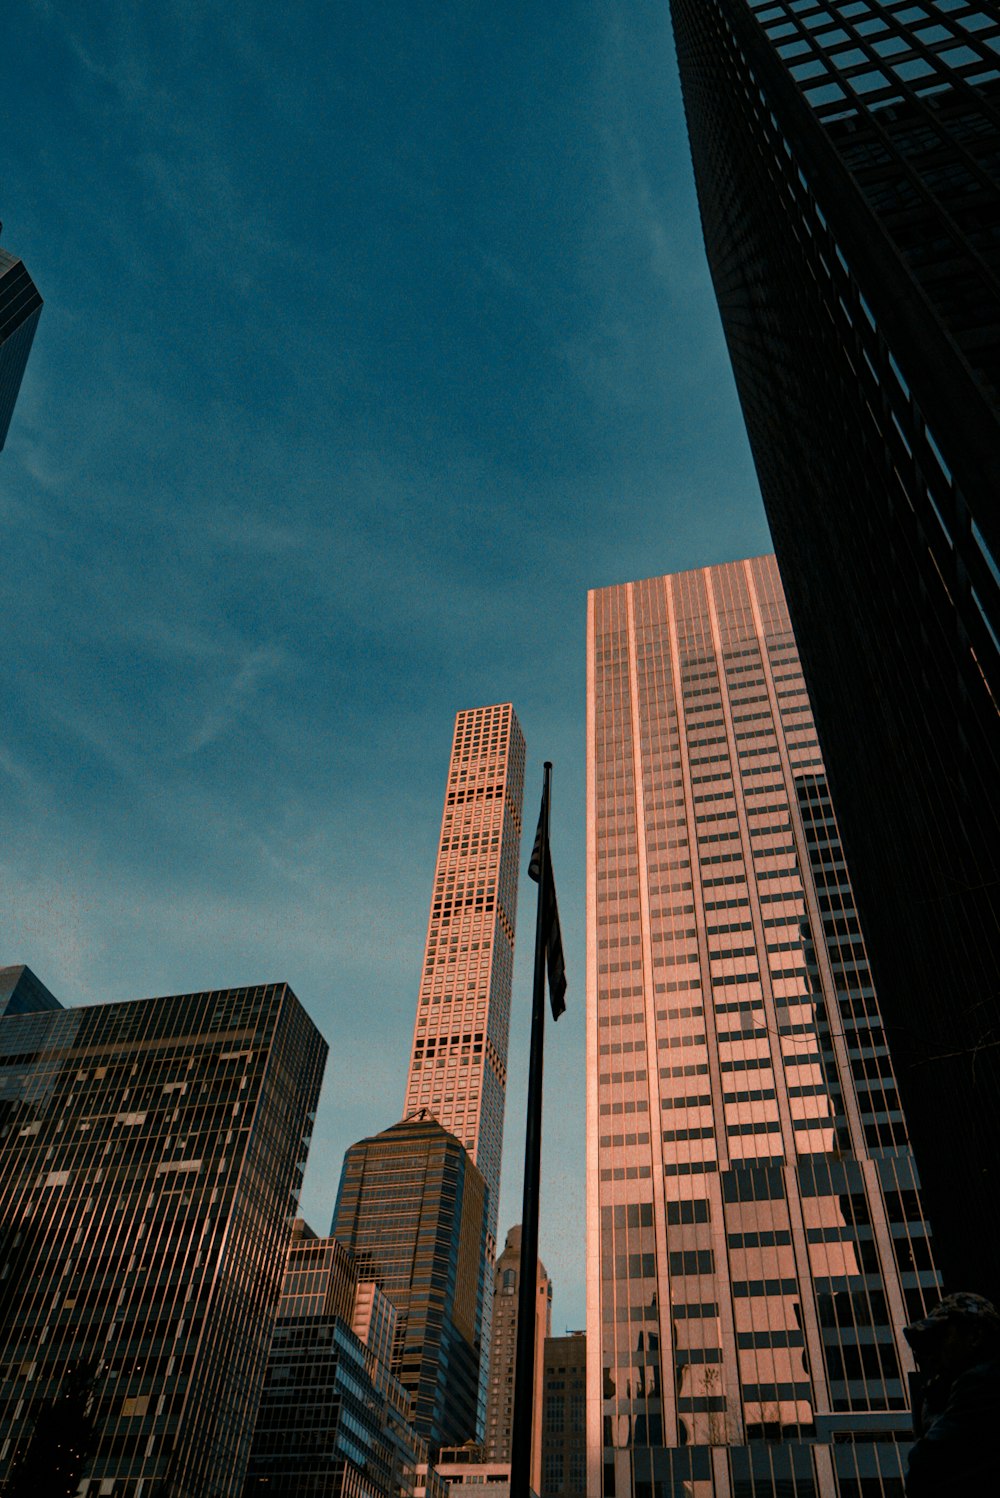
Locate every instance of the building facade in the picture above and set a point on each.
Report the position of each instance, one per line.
(332, 1422)
(503, 1354)
(847, 159)
(20, 309)
(411, 1209)
(465, 1470)
(458, 1062)
(563, 1412)
(755, 1234)
(151, 1155)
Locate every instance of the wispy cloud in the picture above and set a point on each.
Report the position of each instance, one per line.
(237, 697)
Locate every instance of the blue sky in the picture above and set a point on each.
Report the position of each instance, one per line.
(374, 336)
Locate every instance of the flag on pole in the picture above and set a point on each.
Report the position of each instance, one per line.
(550, 916)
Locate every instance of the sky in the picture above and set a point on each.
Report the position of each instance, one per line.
(374, 336)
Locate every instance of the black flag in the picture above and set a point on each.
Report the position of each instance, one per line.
(550, 918)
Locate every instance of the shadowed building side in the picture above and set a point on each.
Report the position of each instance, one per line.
(563, 1414)
(845, 157)
(20, 309)
(755, 1235)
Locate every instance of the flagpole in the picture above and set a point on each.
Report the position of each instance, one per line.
(524, 1366)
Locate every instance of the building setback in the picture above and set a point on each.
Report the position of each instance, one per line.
(563, 1412)
(20, 309)
(503, 1354)
(333, 1422)
(845, 155)
(411, 1208)
(755, 1235)
(151, 1155)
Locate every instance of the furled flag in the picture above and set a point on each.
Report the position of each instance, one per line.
(551, 931)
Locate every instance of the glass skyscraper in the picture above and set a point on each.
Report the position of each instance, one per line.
(20, 309)
(151, 1155)
(412, 1210)
(332, 1422)
(503, 1354)
(847, 160)
(756, 1240)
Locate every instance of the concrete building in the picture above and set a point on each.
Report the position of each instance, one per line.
(151, 1155)
(458, 1062)
(756, 1240)
(503, 1354)
(563, 1412)
(465, 1470)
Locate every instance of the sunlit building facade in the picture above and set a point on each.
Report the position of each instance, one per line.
(411, 1209)
(755, 1234)
(458, 1060)
(458, 1064)
(847, 159)
(151, 1155)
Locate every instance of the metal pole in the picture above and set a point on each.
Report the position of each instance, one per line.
(524, 1367)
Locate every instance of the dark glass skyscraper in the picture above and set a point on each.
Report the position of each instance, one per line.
(412, 1209)
(20, 309)
(150, 1160)
(847, 158)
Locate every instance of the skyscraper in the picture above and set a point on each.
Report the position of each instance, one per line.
(503, 1354)
(332, 1421)
(22, 993)
(411, 1209)
(846, 157)
(458, 1065)
(755, 1235)
(150, 1159)
(458, 1061)
(20, 309)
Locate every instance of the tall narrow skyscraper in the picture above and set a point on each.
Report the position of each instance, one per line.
(151, 1155)
(458, 1066)
(846, 157)
(755, 1235)
(20, 309)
